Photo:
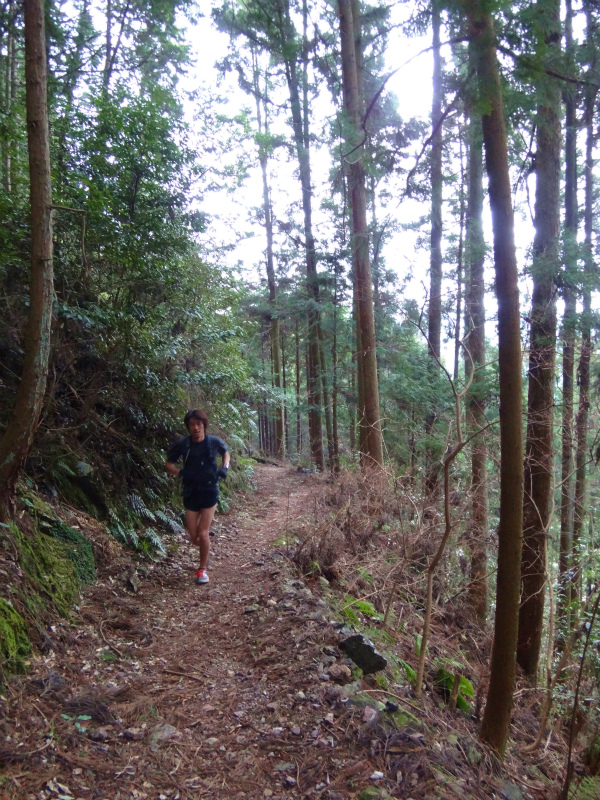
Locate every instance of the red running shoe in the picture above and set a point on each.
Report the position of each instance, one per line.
(201, 576)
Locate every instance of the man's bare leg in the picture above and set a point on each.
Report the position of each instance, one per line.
(197, 524)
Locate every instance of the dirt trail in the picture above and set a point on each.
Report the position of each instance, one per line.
(181, 691)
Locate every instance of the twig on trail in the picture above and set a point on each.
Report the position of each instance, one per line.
(106, 642)
(10, 757)
(184, 675)
(298, 775)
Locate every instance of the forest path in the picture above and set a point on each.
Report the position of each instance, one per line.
(181, 691)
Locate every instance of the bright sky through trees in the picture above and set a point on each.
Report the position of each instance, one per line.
(406, 252)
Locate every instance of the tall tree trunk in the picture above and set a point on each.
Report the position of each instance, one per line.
(300, 124)
(568, 334)
(19, 433)
(334, 389)
(9, 83)
(475, 343)
(274, 314)
(434, 311)
(373, 450)
(354, 405)
(435, 262)
(459, 263)
(582, 456)
(298, 414)
(496, 719)
(108, 46)
(540, 400)
(286, 422)
(326, 404)
(377, 236)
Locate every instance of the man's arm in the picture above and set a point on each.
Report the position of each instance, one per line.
(172, 468)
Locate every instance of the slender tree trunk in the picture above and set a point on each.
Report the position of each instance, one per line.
(459, 265)
(286, 422)
(377, 236)
(435, 263)
(274, 314)
(539, 444)
(434, 311)
(354, 406)
(373, 452)
(7, 166)
(475, 343)
(568, 335)
(326, 404)
(19, 433)
(298, 415)
(496, 719)
(583, 376)
(13, 167)
(108, 46)
(334, 390)
(302, 141)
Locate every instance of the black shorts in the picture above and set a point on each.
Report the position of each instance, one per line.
(197, 499)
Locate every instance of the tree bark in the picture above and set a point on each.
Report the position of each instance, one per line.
(540, 400)
(568, 335)
(434, 311)
(475, 344)
(496, 719)
(286, 422)
(334, 388)
(460, 265)
(372, 454)
(272, 286)
(581, 424)
(298, 415)
(435, 264)
(18, 436)
(302, 143)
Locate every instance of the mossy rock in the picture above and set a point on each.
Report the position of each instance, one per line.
(14, 642)
(78, 549)
(373, 793)
(362, 700)
(403, 719)
(47, 564)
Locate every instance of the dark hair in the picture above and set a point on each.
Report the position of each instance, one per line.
(195, 414)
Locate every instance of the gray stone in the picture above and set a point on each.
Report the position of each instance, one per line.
(362, 651)
(511, 792)
(134, 734)
(162, 733)
(99, 735)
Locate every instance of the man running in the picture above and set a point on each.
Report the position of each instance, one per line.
(200, 478)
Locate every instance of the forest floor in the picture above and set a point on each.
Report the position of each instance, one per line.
(164, 689)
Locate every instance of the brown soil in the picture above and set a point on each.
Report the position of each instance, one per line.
(231, 666)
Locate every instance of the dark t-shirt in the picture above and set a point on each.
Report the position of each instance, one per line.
(200, 460)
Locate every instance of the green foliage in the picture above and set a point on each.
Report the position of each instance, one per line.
(14, 642)
(351, 616)
(363, 607)
(49, 568)
(444, 681)
(585, 789)
(78, 549)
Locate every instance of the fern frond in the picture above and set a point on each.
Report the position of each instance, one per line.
(134, 539)
(140, 508)
(172, 525)
(152, 536)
